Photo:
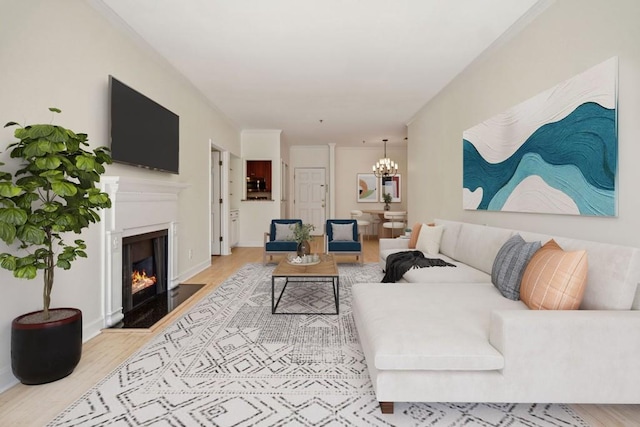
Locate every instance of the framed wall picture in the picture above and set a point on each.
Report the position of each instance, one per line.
(367, 188)
(556, 152)
(391, 185)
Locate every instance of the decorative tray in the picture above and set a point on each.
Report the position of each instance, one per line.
(299, 261)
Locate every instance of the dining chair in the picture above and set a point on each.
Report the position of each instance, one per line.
(395, 220)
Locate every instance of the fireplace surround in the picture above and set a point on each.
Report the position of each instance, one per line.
(139, 206)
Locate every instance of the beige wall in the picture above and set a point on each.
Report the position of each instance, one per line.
(351, 161)
(61, 54)
(568, 38)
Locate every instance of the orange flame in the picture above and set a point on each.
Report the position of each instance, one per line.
(140, 281)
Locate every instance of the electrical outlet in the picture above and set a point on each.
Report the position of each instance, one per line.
(190, 254)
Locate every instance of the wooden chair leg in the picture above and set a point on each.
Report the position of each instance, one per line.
(386, 407)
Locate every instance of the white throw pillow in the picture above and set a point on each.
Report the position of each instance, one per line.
(284, 232)
(429, 239)
(342, 232)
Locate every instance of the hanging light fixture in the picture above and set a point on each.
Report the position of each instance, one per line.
(385, 166)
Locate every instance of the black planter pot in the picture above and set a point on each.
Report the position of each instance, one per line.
(42, 352)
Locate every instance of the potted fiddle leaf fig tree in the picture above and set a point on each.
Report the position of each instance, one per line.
(52, 194)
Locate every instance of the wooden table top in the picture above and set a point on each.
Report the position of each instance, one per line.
(326, 267)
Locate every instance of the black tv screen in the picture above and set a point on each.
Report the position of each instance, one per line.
(143, 132)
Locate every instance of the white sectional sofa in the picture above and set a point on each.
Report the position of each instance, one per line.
(448, 335)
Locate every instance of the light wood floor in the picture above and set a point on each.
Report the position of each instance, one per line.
(36, 405)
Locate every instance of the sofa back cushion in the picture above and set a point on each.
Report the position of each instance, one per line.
(478, 245)
(613, 274)
(449, 237)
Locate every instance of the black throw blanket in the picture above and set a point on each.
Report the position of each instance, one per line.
(401, 262)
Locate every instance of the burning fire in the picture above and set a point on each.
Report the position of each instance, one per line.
(140, 281)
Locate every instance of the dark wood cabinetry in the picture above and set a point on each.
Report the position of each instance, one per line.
(260, 169)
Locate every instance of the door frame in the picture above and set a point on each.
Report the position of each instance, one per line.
(224, 209)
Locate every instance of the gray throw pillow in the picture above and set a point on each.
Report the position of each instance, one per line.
(342, 232)
(509, 265)
(284, 232)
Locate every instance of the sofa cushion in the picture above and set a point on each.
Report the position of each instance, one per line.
(509, 265)
(436, 326)
(554, 279)
(449, 236)
(478, 245)
(429, 239)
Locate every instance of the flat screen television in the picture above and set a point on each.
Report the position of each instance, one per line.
(143, 132)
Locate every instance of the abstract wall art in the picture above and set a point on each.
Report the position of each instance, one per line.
(391, 185)
(367, 188)
(554, 153)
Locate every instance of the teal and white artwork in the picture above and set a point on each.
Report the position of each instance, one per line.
(554, 153)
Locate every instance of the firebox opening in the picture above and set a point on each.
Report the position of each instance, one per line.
(145, 295)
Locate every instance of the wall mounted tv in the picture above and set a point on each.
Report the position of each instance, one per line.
(143, 132)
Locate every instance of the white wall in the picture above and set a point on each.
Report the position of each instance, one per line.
(255, 216)
(568, 38)
(61, 54)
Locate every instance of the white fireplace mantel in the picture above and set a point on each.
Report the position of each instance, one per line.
(137, 206)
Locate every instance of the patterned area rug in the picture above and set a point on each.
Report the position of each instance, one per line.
(230, 362)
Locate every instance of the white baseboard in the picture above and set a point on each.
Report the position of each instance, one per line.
(7, 380)
(185, 275)
(90, 330)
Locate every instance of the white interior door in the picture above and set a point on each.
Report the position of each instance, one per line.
(310, 196)
(216, 206)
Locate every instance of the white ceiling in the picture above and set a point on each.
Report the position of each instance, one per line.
(342, 71)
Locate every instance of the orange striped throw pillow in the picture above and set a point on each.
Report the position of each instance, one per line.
(554, 279)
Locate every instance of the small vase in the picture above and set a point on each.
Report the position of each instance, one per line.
(387, 207)
(304, 248)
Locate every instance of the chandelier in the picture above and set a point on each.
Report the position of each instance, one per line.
(385, 166)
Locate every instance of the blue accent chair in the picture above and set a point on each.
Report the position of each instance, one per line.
(338, 245)
(273, 246)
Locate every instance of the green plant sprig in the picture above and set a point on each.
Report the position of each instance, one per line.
(302, 232)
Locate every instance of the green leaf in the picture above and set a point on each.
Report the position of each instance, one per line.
(13, 216)
(81, 254)
(59, 134)
(8, 262)
(7, 232)
(55, 110)
(64, 189)
(7, 189)
(11, 124)
(37, 148)
(52, 175)
(26, 272)
(73, 145)
(85, 163)
(99, 199)
(65, 265)
(39, 131)
(49, 162)
(51, 207)
(31, 234)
